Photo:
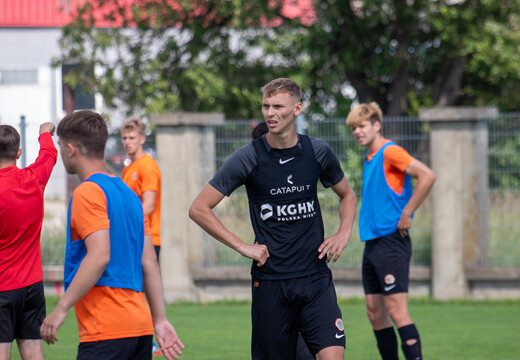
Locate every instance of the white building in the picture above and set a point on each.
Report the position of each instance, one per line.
(29, 86)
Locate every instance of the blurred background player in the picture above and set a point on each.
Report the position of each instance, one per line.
(22, 300)
(387, 206)
(259, 130)
(143, 175)
(109, 259)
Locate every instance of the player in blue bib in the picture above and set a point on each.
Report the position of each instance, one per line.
(292, 286)
(387, 207)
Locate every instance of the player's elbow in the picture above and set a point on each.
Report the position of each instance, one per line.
(353, 197)
(148, 264)
(431, 177)
(426, 177)
(195, 212)
(349, 197)
(148, 209)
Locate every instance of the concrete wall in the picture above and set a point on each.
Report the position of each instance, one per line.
(185, 151)
(185, 148)
(459, 196)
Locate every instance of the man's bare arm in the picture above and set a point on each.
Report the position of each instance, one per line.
(148, 198)
(165, 333)
(201, 211)
(89, 272)
(425, 179)
(334, 245)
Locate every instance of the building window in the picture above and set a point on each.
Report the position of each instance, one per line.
(76, 98)
(16, 77)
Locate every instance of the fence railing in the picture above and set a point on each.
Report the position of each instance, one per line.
(503, 226)
(502, 249)
(235, 214)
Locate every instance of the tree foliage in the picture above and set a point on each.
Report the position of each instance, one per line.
(414, 53)
(167, 55)
(162, 55)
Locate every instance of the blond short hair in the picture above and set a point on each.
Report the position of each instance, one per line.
(134, 124)
(371, 112)
(281, 85)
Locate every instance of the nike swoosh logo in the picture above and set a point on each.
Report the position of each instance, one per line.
(285, 161)
(339, 336)
(388, 288)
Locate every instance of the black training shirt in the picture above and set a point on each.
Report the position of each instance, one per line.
(281, 185)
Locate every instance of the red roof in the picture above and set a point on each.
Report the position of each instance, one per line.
(57, 13)
(34, 13)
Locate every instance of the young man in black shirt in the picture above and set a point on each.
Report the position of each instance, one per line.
(292, 286)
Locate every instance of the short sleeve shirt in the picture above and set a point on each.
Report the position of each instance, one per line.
(105, 313)
(144, 175)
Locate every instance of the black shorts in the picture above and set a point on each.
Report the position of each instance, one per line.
(21, 313)
(283, 308)
(386, 264)
(133, 348)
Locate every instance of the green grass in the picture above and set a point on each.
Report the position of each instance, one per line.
(476, 330)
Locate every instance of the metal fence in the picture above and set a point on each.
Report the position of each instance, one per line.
(503, 226)
(408, 132)
(503, 247)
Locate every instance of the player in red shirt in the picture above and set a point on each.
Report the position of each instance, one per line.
(22, 301)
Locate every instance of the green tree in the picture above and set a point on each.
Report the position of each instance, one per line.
(166, 55)
(411, 54)
(161, 55)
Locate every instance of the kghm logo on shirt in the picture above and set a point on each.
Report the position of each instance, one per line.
(266, 211)
(288, 212)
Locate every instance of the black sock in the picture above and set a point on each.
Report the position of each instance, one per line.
(411, 352)
(387, 343)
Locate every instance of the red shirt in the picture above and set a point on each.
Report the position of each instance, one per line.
(21, 216)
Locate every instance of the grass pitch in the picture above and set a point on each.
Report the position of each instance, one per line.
(476, 330)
